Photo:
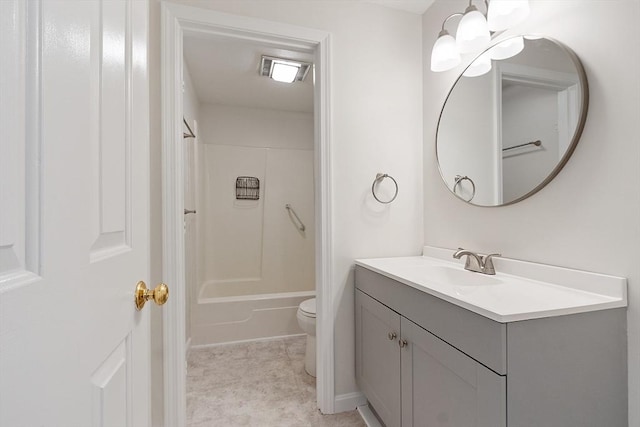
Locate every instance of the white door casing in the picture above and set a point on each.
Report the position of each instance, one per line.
(176, 19)
(190, 226)
(74, 228)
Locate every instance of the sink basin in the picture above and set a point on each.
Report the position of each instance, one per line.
(459, 277)
(519, 290)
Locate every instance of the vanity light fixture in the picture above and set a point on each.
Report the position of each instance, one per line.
(482, 65)
(474, 32)
(507, 48)
(283, 70)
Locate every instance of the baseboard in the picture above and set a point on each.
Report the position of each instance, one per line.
(279, 337)
(349, 402)
(368, 416)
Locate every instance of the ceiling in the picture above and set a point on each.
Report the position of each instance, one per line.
(226, 71)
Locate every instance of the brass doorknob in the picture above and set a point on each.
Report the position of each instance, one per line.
(159, 295)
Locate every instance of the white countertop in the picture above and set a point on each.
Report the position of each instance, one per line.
(518, 291)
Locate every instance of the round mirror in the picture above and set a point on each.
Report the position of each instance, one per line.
(511, 121)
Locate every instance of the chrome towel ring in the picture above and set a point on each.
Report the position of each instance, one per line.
(379, 178)
(459, 179)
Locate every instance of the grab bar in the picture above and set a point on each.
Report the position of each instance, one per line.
(300, 227)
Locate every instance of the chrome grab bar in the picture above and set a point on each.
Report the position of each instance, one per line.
(301, 226)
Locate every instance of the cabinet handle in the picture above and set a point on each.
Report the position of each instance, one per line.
(403, 343)
(392, 336)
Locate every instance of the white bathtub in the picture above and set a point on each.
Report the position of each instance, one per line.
(246, 317)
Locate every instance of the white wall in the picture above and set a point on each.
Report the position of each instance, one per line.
(227, 125)
(467, 139)
(376, 101)
(588, 216)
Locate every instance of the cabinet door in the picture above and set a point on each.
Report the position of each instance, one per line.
(378, 357)
(442, 386)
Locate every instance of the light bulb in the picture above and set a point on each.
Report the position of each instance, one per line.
(473, 32)
(503, 14)
(444, 55)
(284, 72)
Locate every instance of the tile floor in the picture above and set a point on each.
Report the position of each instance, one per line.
(261, 384)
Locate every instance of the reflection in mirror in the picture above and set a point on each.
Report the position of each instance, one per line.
(509, 125)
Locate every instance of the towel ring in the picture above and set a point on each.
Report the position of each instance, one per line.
(459, 179)
(379, 178)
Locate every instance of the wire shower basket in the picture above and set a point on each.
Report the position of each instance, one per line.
(247, 188)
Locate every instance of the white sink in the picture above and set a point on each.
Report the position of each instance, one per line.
(518, 291)
(461, 277)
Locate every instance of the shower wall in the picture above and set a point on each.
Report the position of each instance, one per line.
(253, 247)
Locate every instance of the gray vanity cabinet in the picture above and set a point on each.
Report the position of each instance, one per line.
(449, 366)
(378, 357)
(413, 379)
(442, 386)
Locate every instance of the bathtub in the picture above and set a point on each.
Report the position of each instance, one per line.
(247, 317)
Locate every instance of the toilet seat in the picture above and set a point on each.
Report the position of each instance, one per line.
(308, 308)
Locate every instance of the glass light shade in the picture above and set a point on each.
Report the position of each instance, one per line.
(481, 65)
(284, 72)
(444, 55)
(473, 32)
(503, 14)
(507, 48)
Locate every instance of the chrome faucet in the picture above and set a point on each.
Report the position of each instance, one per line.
(476, 262)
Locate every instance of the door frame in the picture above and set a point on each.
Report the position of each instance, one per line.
(564, 83)
(176, 19)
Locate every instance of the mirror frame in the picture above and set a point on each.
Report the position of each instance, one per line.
(584, 108)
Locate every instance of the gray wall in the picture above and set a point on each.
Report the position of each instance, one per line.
(588, 217)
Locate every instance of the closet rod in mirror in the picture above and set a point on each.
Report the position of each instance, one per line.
(537, 143)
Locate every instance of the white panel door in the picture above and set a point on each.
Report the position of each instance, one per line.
(74, 225)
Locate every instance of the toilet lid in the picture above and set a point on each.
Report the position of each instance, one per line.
(309, 307)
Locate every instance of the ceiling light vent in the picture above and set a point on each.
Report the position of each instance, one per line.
(284, 70)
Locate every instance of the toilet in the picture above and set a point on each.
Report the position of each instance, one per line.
(307, 321)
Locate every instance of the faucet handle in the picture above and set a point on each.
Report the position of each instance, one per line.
(487, 264)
